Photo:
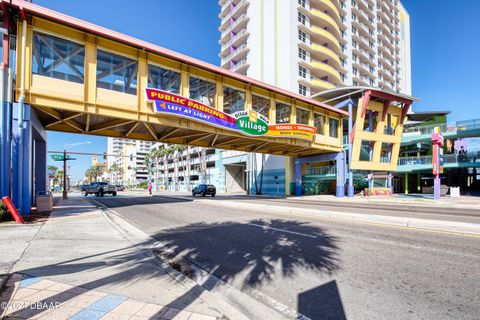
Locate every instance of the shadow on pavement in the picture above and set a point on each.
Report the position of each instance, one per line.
(261, 251)
(322, 302)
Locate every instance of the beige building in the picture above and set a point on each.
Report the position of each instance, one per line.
(308, 46)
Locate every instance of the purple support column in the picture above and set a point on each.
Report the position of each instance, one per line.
(436, 188)
(389, 131)
(340, 175)
(351, 190)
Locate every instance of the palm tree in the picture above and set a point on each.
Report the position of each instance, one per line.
(92, 173)
(52, 172)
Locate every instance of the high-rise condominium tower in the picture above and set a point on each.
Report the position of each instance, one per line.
(307, 46)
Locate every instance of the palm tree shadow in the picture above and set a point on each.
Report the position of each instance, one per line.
(258, 252)
(257, 248)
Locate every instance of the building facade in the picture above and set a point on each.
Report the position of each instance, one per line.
(129, 157)
(308, 46)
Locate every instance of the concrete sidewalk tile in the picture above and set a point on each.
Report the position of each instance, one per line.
(22, 293)
(77, 290)
(138, 318)
(26, 282)
(42, 285)
(61, 287)
(40, 295)
(175, 314)
(87, 314)
(107, 303)
(116, 316)
(197, 316)
(62, 312)
(150, 310)
(82, 301)
(129, 307)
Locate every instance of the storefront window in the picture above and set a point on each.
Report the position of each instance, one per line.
(233, 100)
(202, 91)
(58, 58)
(282, 113)
(302, 116)
(115, 72)
(261, 105)
(163, 79)
(333, 128)
(319, 122)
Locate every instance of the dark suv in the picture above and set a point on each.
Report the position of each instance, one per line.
(204, 189)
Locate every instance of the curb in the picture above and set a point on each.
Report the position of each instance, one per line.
(463, 228)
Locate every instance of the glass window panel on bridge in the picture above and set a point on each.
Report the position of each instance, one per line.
(202, 91)
(319, 122)
(163, 79)
(58, 58)
(302, 116)
(333, 127)
(115, 72)
(282, 113)
(233, 100)
(261, 105)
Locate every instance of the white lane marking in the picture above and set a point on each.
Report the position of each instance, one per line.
(282, 230)
(278, 306)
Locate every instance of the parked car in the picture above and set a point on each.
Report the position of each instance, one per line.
(100, 189)
(204, 189)
(120, 187)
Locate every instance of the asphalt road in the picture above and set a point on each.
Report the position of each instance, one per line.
(321, 269)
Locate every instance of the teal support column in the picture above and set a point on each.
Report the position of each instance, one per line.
(298, 177)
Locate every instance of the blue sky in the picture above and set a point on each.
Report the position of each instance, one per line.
(445, 50)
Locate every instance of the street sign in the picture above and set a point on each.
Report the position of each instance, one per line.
(59, 157)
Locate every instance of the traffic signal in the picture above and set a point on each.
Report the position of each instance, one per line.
(104, 156)
(131, 157)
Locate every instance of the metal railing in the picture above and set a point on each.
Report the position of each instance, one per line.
(469, 157)
(445, 127)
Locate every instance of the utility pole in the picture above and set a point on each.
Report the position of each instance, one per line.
(65, 190)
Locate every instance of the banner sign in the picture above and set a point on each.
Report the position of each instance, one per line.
(247, 122)
(299, 131)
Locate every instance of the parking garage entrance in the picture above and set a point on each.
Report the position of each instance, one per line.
(236, 177)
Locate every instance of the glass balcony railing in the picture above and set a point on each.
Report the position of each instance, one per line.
(469, 157)
(446, 127)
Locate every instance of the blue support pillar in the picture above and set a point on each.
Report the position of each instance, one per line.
(5, 150)
(351, 189)
(298, 177)
(340, 160)
(22, 161)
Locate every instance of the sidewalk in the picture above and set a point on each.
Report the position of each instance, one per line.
(92, 266)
